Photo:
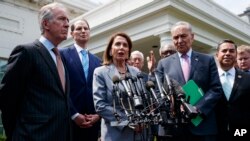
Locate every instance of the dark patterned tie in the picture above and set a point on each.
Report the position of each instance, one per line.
(60, 67)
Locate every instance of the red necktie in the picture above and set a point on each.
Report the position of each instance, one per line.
(185, 66)
(60, 67)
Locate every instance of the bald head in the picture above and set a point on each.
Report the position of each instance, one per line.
(167, 50)
(137, 59)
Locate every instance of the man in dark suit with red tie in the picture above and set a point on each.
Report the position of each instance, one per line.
(202, 70)
(34, 94)
(81, 64)
(233, 111)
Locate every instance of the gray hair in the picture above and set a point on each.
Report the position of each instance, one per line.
(180, 23)
(167, 46)
(45, 13)
(137, 52)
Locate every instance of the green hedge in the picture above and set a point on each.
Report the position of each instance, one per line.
(2, 138)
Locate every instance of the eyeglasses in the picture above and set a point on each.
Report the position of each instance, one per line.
(168, 52)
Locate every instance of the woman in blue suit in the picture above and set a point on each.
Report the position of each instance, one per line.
(114, 64)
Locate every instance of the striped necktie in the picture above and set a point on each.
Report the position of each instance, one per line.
(60, 67)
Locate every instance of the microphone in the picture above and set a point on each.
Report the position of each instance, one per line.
(169, 84)
(116, 81)
(137, 88)
(150, 86)
(144, 91)
(137, 100)
(116, 94)
(144, 95)
(128, 79)
(124, 83)
(159, 84)
(189, 109)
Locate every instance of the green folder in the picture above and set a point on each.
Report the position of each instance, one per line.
(194, 94)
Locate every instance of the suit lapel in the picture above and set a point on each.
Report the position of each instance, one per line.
(77, 64)
(112, 71)
(49, 61)
(177, 65)
(92, 65)
(47, 57)
(237, 81)
(194, 62)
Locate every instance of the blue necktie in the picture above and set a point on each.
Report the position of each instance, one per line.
(85, 62)
(226, 85)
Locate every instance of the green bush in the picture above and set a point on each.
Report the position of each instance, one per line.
(2, 138)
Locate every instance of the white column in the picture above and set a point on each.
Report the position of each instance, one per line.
(165, 38)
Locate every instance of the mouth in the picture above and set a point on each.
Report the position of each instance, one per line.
(83, 35)
(65, 32)
(121, 52)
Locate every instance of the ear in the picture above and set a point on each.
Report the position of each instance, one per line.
(45, 24)
(110, 53)
(192, 36)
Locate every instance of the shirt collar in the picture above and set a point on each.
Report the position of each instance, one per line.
(188, 53)
(46, 43)
(79, 49)
(231, 71)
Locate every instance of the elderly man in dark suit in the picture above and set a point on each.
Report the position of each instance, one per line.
(34, 92)
(233, 111)
(86, 123)
(188, 64)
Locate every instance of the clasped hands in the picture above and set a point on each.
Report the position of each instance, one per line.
(86, 120)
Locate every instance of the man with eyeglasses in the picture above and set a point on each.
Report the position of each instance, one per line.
(167, 50)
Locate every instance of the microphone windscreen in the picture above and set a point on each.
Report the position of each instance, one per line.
(150, 84)
(139, 75)
(134, 79)
(115, 79)
(128, 76)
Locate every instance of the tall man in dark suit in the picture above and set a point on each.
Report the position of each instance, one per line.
(34, 94)
(186, 65)
(233, 111)
(86, 123)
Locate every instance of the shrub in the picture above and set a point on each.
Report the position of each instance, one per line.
(2, 138)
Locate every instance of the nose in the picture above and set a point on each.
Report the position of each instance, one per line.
(66, 23)
(179, 39)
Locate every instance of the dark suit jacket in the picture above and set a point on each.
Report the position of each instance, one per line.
(204, 73)
(80, 87)
(235, 113)
(34, 105)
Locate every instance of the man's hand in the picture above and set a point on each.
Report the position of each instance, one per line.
(81, 121)
(92, 118)
(151, 61)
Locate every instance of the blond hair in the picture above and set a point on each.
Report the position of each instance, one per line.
(243, 48)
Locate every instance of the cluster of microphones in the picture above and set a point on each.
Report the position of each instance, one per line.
(145, 103)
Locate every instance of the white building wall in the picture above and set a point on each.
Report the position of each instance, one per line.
(18, 26)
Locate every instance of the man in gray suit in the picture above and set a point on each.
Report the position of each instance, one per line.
(34, 92)
(186, 65)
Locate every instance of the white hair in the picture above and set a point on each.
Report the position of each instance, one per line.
(137, 52)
